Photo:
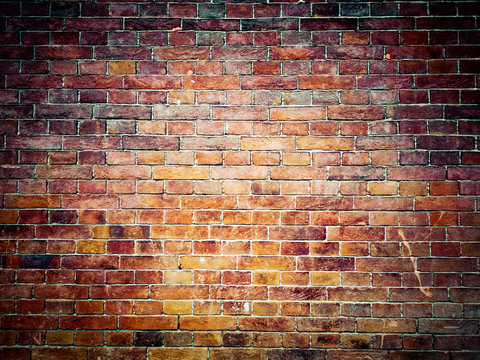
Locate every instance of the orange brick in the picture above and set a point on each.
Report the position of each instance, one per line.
(207, 217)
(295, 187)
(295, 278)
(153, 158)
(149, 187)
(236, 187)
(208, 262)
(298, 113)
(378, 218)
(355, 158)
(121, 67)
(178, 216)
(152, 127)
(237, 217)
(267, 143)
(208, 187)
(265, 247)
(8, 216)
(208, 323)
(238, 127)
(413, 188)
(296, 158)
(266, 158)
(383, 188)
(208, 158)
(181, 97)
(206, 247)
(207, 307)
(148, 307)
(353, 188)
(325, 143)
(180, 172)
(121, 216)
(179, 158)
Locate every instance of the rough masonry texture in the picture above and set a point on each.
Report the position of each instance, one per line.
(240, 180)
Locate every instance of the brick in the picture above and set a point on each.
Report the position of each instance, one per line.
(325, 143)
(384, 143)
(331, 264)
(266, 324)
(147, 322)
(324, 203)
(298, 113)
(179, 232)
(207, 323)
(443, 203)
(182, 353)
(326, 82)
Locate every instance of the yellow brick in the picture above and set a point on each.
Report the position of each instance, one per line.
(266, 308)
(266, 277)
(91, 247)
(382, 188)
(178, 307)
(207, 339)
(325, 278)
(177, 277)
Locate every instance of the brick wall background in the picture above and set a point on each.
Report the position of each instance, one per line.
(240, 180)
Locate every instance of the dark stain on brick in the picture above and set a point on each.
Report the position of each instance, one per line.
(178, 338)
(39, 261)
(236, 339)
(296, 355)
(148, 338)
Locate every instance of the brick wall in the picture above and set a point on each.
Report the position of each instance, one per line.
(240, 180)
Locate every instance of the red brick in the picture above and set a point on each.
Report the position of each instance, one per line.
(444, 203)
(30, 322)
(326, 82)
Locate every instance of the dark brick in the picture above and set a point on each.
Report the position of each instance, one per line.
(62, 9)
(211, 10)
(39, 261)
(296, 354)
(154, 339)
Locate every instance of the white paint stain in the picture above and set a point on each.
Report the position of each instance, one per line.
(426, 291)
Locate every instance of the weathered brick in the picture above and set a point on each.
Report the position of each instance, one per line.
(181, 353)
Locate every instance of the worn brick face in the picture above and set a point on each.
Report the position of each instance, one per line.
(239, 180)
